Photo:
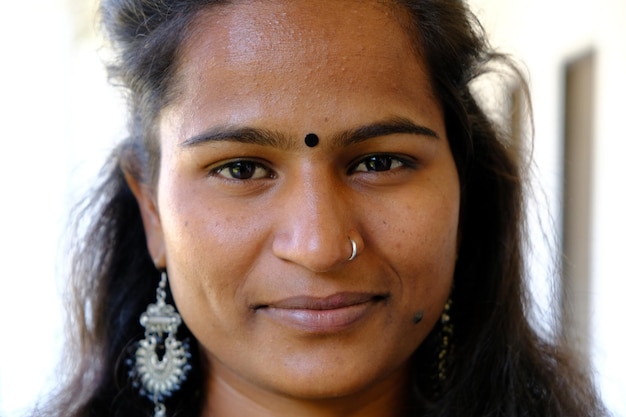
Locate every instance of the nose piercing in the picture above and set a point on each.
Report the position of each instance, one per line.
(353, 254)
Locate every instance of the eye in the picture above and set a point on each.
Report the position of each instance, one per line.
(380, 163)
(242, 170)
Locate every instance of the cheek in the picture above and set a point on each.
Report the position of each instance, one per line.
(206, 254)
(422, 234)
(418, 239)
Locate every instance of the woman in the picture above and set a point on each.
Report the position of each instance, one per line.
(314, 188)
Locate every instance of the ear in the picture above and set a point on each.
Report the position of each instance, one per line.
(146, 198)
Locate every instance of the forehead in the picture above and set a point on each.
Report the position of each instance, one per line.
(242, 32)
(298, 50)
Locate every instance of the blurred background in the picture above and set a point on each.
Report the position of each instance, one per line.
(59, 119)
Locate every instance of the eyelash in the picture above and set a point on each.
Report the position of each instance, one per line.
(232, 166)
(251, 167)
(391, 162)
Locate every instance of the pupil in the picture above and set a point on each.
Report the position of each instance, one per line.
(379, 163)
(242, 170)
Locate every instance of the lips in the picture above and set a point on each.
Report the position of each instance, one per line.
(334, 313)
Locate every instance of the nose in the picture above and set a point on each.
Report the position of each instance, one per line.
(315, 225)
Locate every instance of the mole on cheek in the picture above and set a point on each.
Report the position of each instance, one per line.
(311, 140)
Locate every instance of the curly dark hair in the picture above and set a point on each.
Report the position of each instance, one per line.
(500, 365)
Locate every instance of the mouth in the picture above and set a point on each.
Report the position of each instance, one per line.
(337, 312)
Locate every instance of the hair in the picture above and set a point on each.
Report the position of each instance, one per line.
(500, 365)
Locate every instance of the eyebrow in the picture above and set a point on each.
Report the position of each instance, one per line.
(397, 125)
(256, 136)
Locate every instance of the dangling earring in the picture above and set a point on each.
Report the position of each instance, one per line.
(446, 346)
(442, 347)
(161, 361)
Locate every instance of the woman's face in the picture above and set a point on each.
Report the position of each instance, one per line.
(253, 225)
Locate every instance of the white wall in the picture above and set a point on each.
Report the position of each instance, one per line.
(58, 119)
(33, 185)
(545, 35)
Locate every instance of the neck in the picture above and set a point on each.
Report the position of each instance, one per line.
(230, 396)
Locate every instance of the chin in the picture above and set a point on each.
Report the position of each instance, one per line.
(342, 381)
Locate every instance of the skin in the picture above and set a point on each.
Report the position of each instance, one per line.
(258, 264)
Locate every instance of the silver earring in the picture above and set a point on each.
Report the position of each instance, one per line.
(354, 249)
(161, 361)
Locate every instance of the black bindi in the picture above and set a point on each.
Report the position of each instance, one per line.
(311, 140)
